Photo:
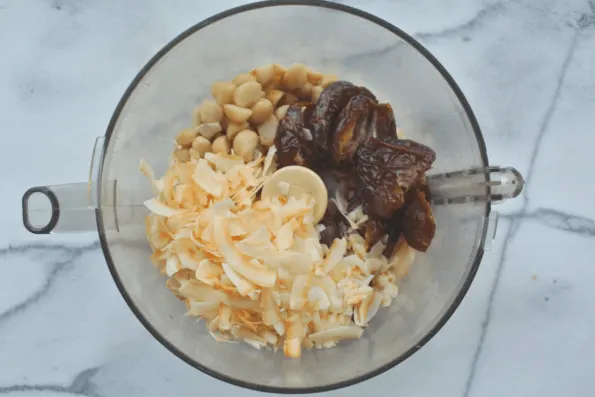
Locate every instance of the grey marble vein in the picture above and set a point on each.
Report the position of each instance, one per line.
(467, 27)
(516, 222)
(71, 7)
(548, 116)
(557, 219)
(73, 253)
(80, 386)
(31, 247)
(349, 59)
(563, 221)
(587, 19)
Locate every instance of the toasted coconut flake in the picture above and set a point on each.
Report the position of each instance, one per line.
(284, 239)
(201, 292)
(351, 261)
(377, 249)
(402, 259)
(244, 286)
(356, 295)
(236, 302)
(358, 245)
(259, 236)
(250, 320)
(294, 327)
(314, 249)
(258, 245)
(202, 308)
(219, 337)
(264, 250)
(147, 171)
(297, 207)
(330, 289)
(213, 324)
(364, 281)
(270, 312)
(299, 292)
(294, 262)
(157, 233)
(255, 344)
(284, 299)
(342, 207)
(211, 157)
(334, 256)
(207, 234)
(244, 333)
(183, 275)
(372, 265)
(218, 208)
(268, 168)
(236, 229)
(225, 318)
(270, 337)
(361, 311)
(318, 299)
(373, 308)
(172, 265)
(208, 272)
(207, 179)
(259, 276)
(284, 188)
(173, 285)
(188, 260)
(183, 234)
(158, 208)
(292, 347)
(391, 290)
(225, 162)
(336, 334)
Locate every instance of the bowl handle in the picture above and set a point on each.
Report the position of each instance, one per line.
(493, 184)
(64, 208)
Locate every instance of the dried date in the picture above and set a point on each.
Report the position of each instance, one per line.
(419, 224)
(387, 170)
(351, 128)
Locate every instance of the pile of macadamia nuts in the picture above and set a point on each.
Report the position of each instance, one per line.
(245, 112)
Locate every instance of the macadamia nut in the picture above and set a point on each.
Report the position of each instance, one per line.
(247, 94)
(268, 130)
(233, 129)
(209, 130)
(210, 112)
(237, 114)
(185, 137)
(243, 78)
(182, 155)
(264, 74)
(221, 145)
(223, 92)
(244, 144)
(295, 76)
(201, 145)
(261, 111)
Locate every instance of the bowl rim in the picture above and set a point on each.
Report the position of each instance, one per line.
(277, 3)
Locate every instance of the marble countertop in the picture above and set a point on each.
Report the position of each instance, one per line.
(525, 328)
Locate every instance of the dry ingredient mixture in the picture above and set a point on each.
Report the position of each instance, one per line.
(261, 269)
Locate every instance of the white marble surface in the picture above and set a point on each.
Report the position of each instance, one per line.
(527, 326)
